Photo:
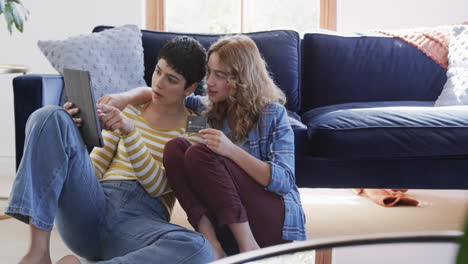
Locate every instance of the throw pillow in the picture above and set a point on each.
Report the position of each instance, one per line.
(432, 41)
(114, 58)
(455, 91)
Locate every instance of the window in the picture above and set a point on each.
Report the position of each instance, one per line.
(299, 15)
(233, 16)
(202, 16)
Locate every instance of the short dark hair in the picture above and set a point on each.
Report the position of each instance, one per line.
(187, 57)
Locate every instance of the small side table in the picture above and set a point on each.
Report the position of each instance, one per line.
(12, 68)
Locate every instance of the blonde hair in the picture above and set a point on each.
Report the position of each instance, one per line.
(251, 87)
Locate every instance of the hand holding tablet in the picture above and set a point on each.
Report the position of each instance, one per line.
(72, 111)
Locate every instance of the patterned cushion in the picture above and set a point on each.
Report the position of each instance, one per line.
(114, 58)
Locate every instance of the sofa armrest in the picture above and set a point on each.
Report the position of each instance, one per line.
(31, 92)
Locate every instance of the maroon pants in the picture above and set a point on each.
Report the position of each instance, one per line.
(207, 183)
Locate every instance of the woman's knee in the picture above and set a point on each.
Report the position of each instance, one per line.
(46, 113)
(198, 159)
(175, 147)
(198, 152)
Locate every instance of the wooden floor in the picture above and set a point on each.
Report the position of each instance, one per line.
(329, 212)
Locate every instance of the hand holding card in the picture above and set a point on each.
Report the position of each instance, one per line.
(196, 123)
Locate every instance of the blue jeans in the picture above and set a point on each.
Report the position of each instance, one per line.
(112, 221)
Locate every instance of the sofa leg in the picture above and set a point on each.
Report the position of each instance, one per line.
(323, 256)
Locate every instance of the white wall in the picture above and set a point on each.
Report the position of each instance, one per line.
(363, 15)
(50, 19)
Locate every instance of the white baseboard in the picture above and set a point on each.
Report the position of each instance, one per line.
(7, 166)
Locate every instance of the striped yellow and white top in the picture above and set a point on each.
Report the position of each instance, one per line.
(138, 155)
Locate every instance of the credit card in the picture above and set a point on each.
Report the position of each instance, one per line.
(196, 123)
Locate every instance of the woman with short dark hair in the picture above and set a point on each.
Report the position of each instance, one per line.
(113, 206)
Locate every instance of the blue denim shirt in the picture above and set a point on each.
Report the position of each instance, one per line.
(272, 140)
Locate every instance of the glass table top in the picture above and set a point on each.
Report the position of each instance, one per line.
(414, 247)
(12, 68)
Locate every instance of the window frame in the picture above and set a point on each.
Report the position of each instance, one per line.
(155, 14)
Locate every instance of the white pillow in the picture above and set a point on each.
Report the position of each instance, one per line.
(113, 57)
(455, 90)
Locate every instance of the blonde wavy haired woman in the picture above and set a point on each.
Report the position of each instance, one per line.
(238, 188)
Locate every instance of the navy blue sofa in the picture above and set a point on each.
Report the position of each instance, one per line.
(361, 108)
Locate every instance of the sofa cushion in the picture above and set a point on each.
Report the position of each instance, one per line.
(356, 68)
(114, 58)
(387, 129)
(279, 48)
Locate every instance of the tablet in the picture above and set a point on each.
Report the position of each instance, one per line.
(79, 92)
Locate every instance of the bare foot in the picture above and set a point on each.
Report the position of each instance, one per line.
(205, 227)
(244, 237)
(31, 259)
(69, 259)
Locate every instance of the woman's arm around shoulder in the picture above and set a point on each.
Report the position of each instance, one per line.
(196, 103)
(138, 95)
